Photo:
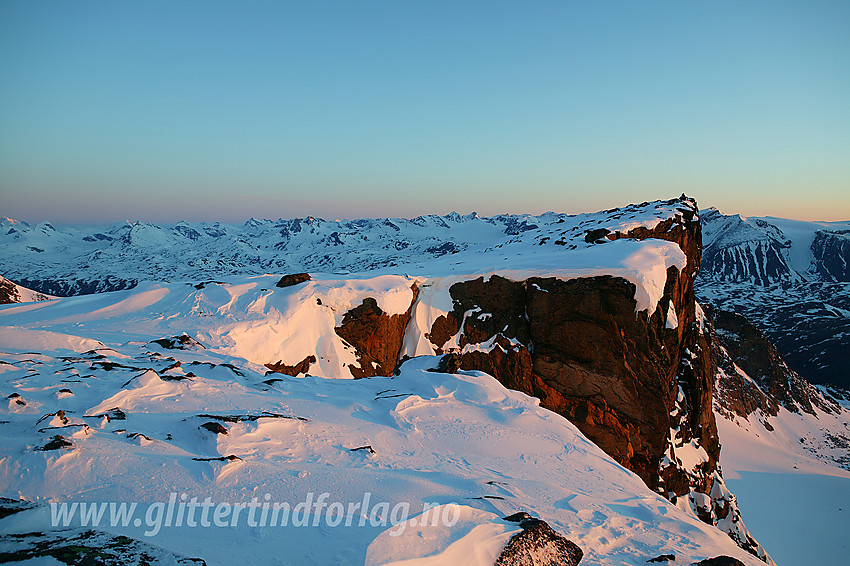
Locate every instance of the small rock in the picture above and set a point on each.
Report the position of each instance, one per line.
(720, 561)
(56, 443)
(663, 558)
(293, 279)
(217, 428)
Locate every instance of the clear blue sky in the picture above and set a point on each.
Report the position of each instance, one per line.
(226, 110)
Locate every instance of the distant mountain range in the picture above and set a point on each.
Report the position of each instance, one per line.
(791, 278)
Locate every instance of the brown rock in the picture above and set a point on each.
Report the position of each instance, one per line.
(301, 367)
(579, 346)
(376, 336)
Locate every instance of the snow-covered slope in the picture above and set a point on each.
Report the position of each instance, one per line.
(792, 278)
(97, 411)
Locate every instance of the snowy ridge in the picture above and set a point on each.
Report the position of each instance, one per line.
(75, 260)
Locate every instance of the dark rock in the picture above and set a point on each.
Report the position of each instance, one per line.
(301, 367)
(203, 284)
(85, 548)
(293, 279)
(538, 544)
(368, 448)
(12, 506)
(140, 435)
(750, 350)
(60, 413)
(56, 443)
(8, 292)
(182, 342)
(228, 458)
(720, 561)
(114, 414)
(250, 418)
(597, 234)
(217, 428)
(663, 558)
(517, 517)
(830, 251)
(449, 363)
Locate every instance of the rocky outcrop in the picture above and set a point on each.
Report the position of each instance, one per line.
(830, 251)
(301, 367)
(580, 347)
(537, 544)
(182, 342)
(638, 384)
(12, 293)
(8, 292)
(293, 279)
(376, 337)
(746, 347)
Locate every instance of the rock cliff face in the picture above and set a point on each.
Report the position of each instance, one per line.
(830, 251)
(580, 346)
(376, 336)
(12, 293)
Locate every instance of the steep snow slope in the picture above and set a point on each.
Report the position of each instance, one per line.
(102, 413)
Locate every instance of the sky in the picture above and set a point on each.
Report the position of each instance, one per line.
(162, 111)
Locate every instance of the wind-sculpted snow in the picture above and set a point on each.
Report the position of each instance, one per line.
(597, 311)
(107, 411)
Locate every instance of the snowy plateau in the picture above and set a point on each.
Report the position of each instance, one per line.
(431, 391)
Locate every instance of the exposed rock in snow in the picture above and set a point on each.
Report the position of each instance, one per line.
(538, 544)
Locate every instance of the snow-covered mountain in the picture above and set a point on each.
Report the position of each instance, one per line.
(790, 277)
(773, 250)
(77, 260)
(563, 370)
